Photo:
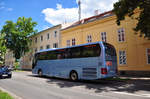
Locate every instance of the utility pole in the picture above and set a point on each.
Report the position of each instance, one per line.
(79, 12)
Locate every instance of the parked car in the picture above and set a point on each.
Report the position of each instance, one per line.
(5, 71)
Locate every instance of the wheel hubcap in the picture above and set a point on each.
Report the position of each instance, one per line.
(73, 76)
(40, 73)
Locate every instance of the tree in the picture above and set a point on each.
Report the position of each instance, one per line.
(2, 49)
(127, 7)
(16, 35)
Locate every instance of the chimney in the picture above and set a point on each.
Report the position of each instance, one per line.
(96, 12)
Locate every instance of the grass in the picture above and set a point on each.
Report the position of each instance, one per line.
(4, 95)
(16, 70)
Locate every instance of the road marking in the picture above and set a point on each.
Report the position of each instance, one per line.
(139, 95)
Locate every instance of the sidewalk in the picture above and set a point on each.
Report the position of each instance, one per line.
(135, 78)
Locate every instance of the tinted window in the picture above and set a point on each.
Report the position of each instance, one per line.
(84, 51)
(51, 55)
(75, 52)
(109, 50)
(42, 56)
(91, 50)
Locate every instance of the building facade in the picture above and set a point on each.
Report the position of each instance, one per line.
(133, 52)
(46, 39)
(9, 58)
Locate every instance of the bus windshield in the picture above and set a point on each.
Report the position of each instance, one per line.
(109, 50)
(34, 61)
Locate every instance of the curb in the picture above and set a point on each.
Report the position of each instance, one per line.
(10, 93)
(136, 78)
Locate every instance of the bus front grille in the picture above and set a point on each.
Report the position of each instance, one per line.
(89, 72)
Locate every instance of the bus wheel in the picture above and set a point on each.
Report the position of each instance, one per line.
(73, 76)
(40, 73)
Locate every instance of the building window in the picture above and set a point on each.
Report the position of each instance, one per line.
(122, 57)
(35, 50)
(121, 35)
(148, 55)
(73, 41)
(89, 38)
(41, 38)
(41, 47)
(55, 33)
(103, 36)
(68, 42)
(36, 40)
(47, 46)
(48, 36)
(55, 45)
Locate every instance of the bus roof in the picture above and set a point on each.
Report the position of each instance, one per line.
(52, 49)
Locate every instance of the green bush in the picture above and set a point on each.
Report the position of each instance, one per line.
(16, 65)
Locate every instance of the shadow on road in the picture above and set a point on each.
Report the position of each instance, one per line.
(4, 77)
(130, 85)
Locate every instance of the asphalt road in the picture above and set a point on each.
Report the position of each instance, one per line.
(27, 86)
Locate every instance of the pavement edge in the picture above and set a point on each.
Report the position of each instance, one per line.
(12, 94)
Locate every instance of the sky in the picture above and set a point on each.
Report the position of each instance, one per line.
(48, 13)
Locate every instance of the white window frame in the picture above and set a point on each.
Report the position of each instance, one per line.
(41, 38)
(48, 36)
(103, 36)
(147, 55)
(36, 40)
(68, 42)
(73, 42)
(55, 45)
(121, 31)
(89, 38)
(47, 46)
(55, 33)
(122, 55)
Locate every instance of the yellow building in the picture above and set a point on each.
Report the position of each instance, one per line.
(133, 52)
(49, 38)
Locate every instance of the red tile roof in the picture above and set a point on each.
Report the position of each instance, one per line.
(90, 19)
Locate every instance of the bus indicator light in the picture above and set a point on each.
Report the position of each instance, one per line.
(109, 63)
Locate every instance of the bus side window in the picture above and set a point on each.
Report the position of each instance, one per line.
(76, 52)
(41, 56)
(51, 55)
(97, 50)
(87, 51)
(68, 53)
(91, 51)
(59, 56)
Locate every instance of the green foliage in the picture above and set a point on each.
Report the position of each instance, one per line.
(127, 7)
(2, 49)
(16, 65)
(4, 95)
(16, 35)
